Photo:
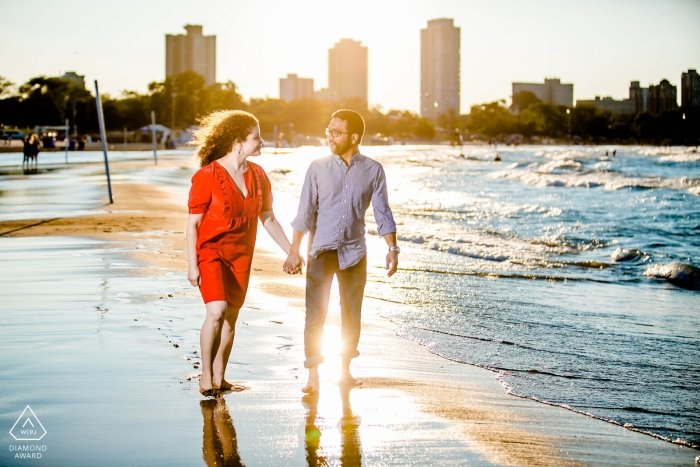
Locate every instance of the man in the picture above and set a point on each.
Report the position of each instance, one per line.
(336, 194)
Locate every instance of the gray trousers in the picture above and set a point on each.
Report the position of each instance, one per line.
(351, 282)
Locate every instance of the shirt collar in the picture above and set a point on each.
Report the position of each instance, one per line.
(353, 160)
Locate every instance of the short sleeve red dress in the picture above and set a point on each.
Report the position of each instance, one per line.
(226, 238)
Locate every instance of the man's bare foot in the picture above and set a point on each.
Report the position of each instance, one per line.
(348, 380)
(226, 386)
(312, 386)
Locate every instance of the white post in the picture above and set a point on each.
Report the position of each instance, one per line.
(103, 139)
(67, 140)
(275, 136)
(153, 136)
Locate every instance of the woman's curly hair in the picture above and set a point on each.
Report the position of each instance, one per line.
(218, 131)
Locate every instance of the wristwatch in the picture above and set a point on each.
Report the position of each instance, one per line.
(395, 248)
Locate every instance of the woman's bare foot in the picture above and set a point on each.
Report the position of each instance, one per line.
(226, 386)
(313, 385)
(206, 388)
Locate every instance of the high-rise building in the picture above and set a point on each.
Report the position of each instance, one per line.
(191, 51)
(621, 107)
(292, 88)
(78, 80)
(640, 96)
(552, 91)
(663, 97)
(439, 68)
(347, 70)
(690, 89)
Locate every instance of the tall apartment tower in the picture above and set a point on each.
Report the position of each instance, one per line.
(663, 97)
(292, 88)
(690, 89)
(191, 51)
(640, 96)
(347, 70)
(439, 68)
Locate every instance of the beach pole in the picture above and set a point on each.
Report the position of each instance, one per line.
(67, 140)
(124, 139)
(153, 135)
(103, 139)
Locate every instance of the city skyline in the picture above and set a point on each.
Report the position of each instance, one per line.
(600, 47)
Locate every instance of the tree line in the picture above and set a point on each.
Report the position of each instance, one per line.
(585, 123)
(180, 99)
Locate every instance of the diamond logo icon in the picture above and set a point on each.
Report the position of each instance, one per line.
(28, 427)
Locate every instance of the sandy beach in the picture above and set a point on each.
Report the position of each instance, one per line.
(100, 334)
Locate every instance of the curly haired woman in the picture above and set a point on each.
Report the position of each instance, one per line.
(227, 197)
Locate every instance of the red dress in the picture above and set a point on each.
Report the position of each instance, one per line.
(226, 238)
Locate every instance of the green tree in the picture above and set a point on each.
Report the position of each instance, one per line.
(492, 119)
(545, 119)
(590, 123)
(524, 99)
(424, 129)
(6, 86)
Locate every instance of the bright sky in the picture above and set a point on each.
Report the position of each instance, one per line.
(599, 45)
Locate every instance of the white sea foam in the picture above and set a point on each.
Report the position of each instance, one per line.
(683, 275)
(608, 180)
(621, 255)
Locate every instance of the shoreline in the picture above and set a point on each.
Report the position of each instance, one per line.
(503, 429)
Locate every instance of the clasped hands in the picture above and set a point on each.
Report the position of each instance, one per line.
(293, 263)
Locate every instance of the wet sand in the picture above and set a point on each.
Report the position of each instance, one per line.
(100, 334)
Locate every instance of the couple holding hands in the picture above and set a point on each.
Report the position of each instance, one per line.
(228, 196)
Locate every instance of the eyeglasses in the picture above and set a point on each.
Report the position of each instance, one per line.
(335, 133)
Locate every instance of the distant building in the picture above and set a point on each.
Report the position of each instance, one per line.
(690, 89)
(663, 97)
(192, 51)
(347, 70)
(439, 68)
(323, 95)
(622, 107)
(640, 96)
(78, 80)
(292, 88)
(552, 91)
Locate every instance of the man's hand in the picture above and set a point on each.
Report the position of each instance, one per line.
(194, 276)
(392, 263)
(293, 263)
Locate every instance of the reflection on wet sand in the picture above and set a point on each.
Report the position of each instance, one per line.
(350, 445)
(219, 444)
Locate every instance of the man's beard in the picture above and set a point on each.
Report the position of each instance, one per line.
(341, 149)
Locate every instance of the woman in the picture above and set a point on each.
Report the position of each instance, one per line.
(227, 197)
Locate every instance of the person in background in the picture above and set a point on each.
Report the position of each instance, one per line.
(33, 151)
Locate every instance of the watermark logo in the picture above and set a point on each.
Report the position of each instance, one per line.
(28, 427)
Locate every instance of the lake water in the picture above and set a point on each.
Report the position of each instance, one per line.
(570, 272)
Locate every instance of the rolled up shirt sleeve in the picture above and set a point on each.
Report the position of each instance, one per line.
(308, 203)
(380, 203)
(200, 193)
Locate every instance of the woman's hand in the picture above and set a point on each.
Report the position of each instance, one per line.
(294, 263)
(194, 276)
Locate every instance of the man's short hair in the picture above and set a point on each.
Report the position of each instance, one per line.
(356, 124)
